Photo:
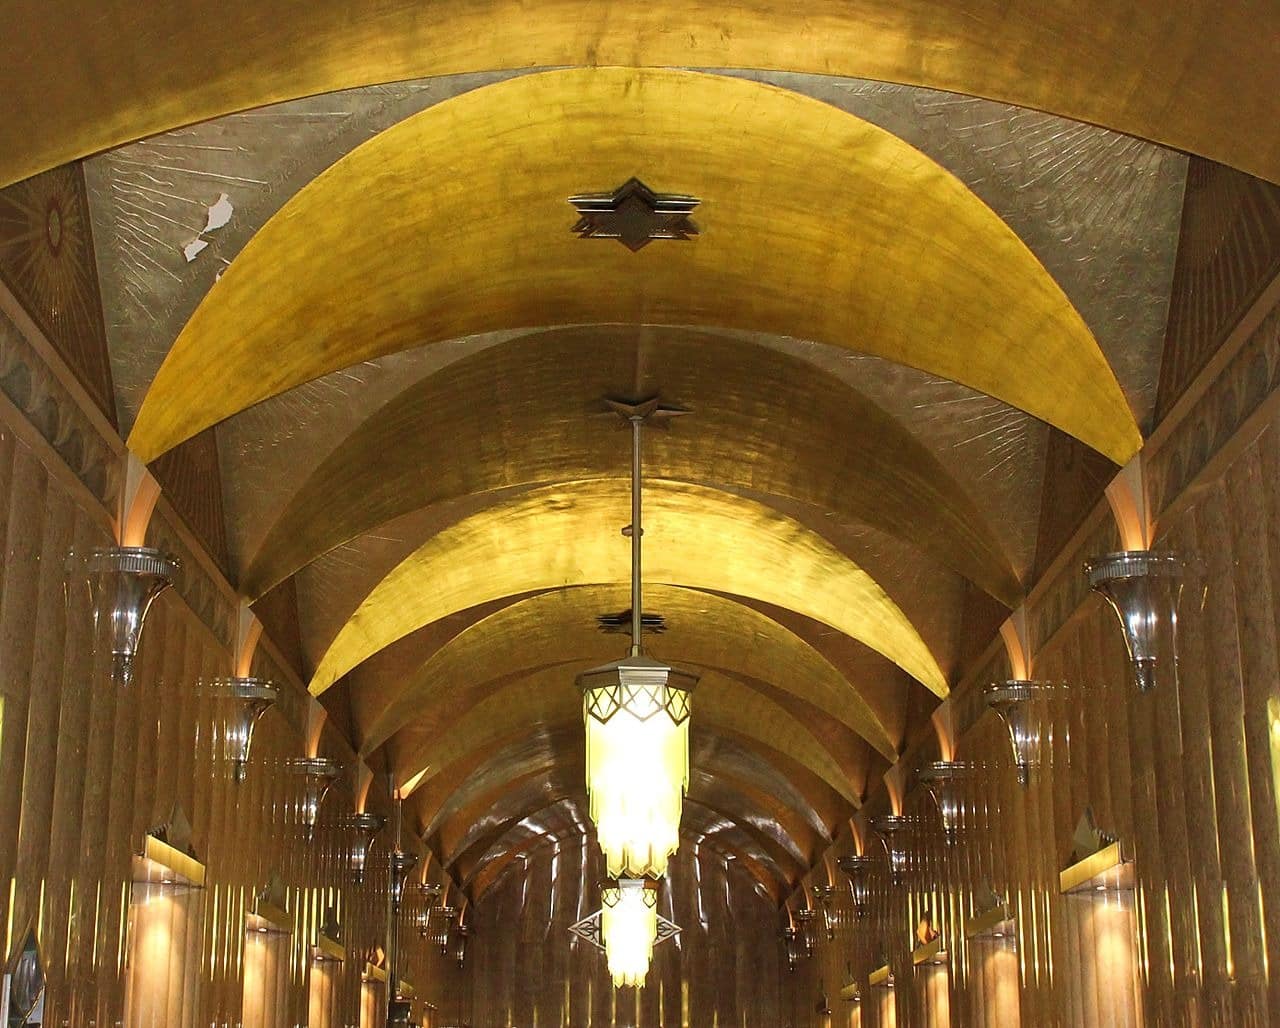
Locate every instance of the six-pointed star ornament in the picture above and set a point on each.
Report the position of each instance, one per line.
(634, 215)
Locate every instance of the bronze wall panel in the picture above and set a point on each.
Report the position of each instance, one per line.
(47, 259)
(1183, 775)
(87, 769)
(192, 480)
(1228, 251)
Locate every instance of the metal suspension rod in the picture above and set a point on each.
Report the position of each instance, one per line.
(637, 623)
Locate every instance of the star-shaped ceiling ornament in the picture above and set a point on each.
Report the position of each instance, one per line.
(634, 215)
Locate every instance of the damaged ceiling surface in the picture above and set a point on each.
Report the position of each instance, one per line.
(920, 290)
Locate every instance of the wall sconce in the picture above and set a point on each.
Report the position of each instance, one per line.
(791, 946)
(893, 830)
(460, 936)
(429, 891)
(1144, 589)
(824, 894)
(858, 867)
(945, 779)
(1017, 704)
(252, 697)
(401, 864)
(123, 582)
(367, 825)
(805, 917)
(318, 774)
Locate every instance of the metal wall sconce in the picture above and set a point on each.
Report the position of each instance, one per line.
(401, 864)
(945, 781)
(858, 867)
(252, 697)
(367, 825)
(460, 936)
(318, 774)
(993, 920)
(123, 582)
(804, 918)
(1144, 589)
(931, 953)
(1018, 704)
(824, 894)
(893, 829)
(791, 946)
(881, 978)
(429, 891)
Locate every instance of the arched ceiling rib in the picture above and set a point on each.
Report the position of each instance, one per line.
(530, 412)
(702, 630)
(817, 224)
(540, 700)
(77, 85)
(698, 537)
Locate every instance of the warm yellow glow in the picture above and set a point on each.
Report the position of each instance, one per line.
(629, 927)
(637, 775)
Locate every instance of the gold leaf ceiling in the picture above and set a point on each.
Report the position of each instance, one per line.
(843, 234)
(403, 347)
(1197, 75)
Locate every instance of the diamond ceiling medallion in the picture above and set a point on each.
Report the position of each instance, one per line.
(634, 215)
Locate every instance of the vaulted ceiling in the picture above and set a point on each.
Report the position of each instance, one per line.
(341, 288)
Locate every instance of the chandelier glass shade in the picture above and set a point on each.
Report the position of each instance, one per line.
(637, 728)
(629, 929)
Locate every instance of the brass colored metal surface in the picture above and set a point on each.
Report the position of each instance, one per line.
(527, 412)
(1106, 869)
(547, 699)
(704, 631)
(700, 538)
(1087, 60)
(869, 258)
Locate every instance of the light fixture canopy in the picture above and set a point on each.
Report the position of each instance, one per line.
(123, 583)
(1019, 704)
(367, 825)
(1144, 588)
(318, 774)
(945, 781)
(627, 927)
(251, 698)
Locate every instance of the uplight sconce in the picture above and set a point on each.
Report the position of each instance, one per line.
(849, 991)
(1144, 588)
(945, 781)
(460, 936)
(858, 866)
(893, 829)
(123, 582)
(805, 917)
(318, 774)
(1018, 703)
(791, 946)
(367, 825)
(252, 698)
(401, 864)
(824, 894)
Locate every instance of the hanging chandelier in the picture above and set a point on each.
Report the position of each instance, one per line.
(636, 712)
(627, 927)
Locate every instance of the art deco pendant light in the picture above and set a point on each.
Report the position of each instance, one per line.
(637, 723)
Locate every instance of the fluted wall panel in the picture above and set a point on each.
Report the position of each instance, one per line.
(1184, 776)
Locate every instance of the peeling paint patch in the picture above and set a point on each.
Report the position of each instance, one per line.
(192, 250)
(219, 214)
